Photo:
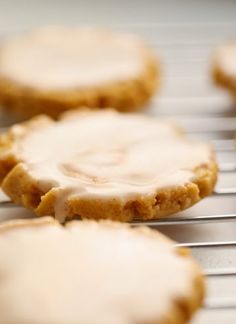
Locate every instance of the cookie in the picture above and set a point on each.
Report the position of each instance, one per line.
(224, 67)
(94, 273)
(104, 164)
(54, 69)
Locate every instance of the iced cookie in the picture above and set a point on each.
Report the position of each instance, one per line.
(54, 69)
(104, 164)
(94, 273)
(224, 67)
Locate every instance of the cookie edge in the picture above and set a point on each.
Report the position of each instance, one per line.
(125, 95)
(23, 189)
(220, 77)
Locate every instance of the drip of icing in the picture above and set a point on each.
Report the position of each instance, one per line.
(123, 276)
(57, 58)
(106, 154)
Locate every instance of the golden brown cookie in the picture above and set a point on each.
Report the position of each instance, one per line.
(94, 273)
(104, 164)
(54, 69)
(224, 67)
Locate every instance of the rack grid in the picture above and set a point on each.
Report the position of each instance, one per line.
(179, 221)
(188, 96)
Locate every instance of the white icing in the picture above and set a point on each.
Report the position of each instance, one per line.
(107, 154)
(226, 59)
(56, 58)
(89, 274)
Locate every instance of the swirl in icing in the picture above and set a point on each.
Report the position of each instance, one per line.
(104, 154)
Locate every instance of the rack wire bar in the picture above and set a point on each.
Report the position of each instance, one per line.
(225, 191)
(220, 303)
(188, 220)
(224, 272)
(227, 167)
(207, 244)
(219, 130)
(7, 204)
(230, 131)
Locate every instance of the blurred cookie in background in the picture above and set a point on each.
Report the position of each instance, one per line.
(53, 69)
(224, 66)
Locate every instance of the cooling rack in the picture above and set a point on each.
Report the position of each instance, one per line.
(178, 221)
(183, 38)
(185, 219)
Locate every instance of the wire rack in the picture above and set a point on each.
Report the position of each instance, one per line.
(229, 272)
(209, 228)
(201, 219)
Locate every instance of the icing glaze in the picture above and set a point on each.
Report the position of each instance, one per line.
(89, 273)
(106, 154)
(59, 57)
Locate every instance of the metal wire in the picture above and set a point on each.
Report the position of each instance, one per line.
(220, 304)
(7, 204)
(225, 272)
(221, 145)
(208, 244)
(188, 220)
(227, 167)
(225, 191)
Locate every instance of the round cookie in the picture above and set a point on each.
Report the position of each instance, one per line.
(94, 273)
(224, 67)
(104, 164)
(54, 69)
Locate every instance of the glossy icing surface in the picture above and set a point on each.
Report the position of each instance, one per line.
(89, 273)
(106, 154)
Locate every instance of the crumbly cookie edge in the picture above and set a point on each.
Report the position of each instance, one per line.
(22, 188)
